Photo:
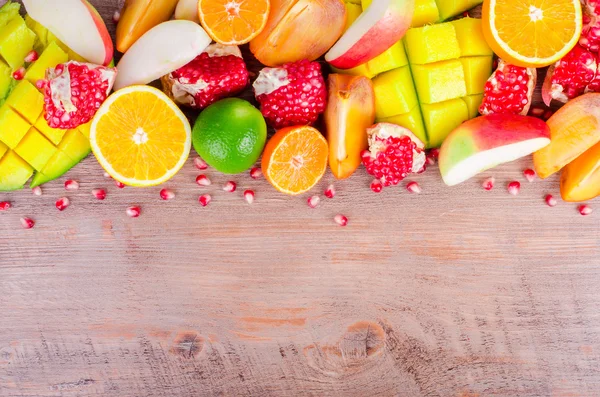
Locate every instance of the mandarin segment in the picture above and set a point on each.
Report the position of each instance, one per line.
(233, 22)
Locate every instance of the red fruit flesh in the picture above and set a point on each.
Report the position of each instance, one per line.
(74, 92)
(394, 152)
(293, 94)
(217, 73)
(569, 77)
(509, 90)
(590, 34)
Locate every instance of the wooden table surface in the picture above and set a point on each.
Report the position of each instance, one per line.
(453, 292)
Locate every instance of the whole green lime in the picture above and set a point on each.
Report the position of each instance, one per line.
(230, 135)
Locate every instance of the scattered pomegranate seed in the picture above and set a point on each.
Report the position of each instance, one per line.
(551, 201)
(255, 173)
(230, 187)
(167, 194)
(313, 201)
(429, 160)
(514, 187)
(340, 220)
(434, 153)
(41, 84)
(71, 185)
(27, 223)
(100, 194)
(465, 14)
(488, 184)
(330, 191)
(585, 210)
(120, 185)
(32, 56)
(202, 180)
(107, 175)
(376, 186)
(4, 205)
(200, 164)
(133, 212)
(19, 74)
(413, 187)
(37, 191)
(249, 196)
(537, 111)
(204, 200)
(62, 203)
(116, 16)
(529, 174)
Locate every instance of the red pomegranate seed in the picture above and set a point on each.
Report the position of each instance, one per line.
(529, 174)
(71, 185)
(434, 153)
(202, 180)
(514, 187)
(100, 194)
(107, 175)
(116, 16)
(376, 186)
(585, 210)
(547, 114)
(200, 164)
(4, 205)
(37, 191)
(249, 196)
(62, 203)
(204, 200)
(133, 212)
(330, 191)
(120, 185)
(313, 201)
(167, 194)
(32, 56)
(413, 187)
(19, 74)
(230, 186)
(27, 223)
(255, 173)
(551, 201)
(488, 184)
(537, 111)
(341, 220)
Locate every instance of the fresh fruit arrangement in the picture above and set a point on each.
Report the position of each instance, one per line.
(393, 86)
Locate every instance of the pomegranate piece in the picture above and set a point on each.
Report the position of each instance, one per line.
(202, 180)
(376, 186)
(74, 92)
(249, 196)
(330, 192)
(19, 73)
(204, 200)
(62, 203)
(584, 210)
(133, 212)
(394, 152)
(509, 90)
(313, 201)
(514, 188)
(230, 187)
(4, 205)
(293, 94)
(27, 223)
(167, 194)
(550, 200)
(569, 77)
(100, 194)
(529, 174)
(488, 183)
(219, 72)
(341, 220)
(590, 34)
(413, 187)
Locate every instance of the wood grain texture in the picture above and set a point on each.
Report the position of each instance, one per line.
(454, 292)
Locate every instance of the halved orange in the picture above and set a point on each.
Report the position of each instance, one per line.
(531, 33)
(140, 137)
(233, 22)
(295, 159)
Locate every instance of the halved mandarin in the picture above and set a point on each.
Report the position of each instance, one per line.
(140, 137)
(531, 33)
(233, 22)
(295, 159)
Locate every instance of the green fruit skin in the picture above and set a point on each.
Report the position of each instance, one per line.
(230, 135)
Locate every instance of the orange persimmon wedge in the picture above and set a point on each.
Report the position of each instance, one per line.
(350, 111)
(580, 179)
(573, 129)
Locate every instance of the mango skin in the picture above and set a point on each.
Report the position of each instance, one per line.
(138, 17)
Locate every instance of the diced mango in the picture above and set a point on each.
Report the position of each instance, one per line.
(12, 126)
(35, 149)
(52, 56)
(470, 37)
(393, 58)
(3, 149)
(14, 172)
(360, 70)
(55, 135)
(441, 118)
(394, 93)
(57, 166)
(477, 71)
(353, 11)
(426, 12)
(5, 79)
(8, 11)
(411, 120)
(452, 8)
(432, 43)
(85, 129)
(473, 102)
(16, 40)
(75, 145)
(26, 100)
(440, 81)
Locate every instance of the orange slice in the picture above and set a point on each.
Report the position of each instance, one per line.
(233, 22)
(295, 159)
(140, 137)
(531, 33)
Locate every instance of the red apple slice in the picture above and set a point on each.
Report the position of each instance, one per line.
(381, 25)
(161, 50)
(77, 24)
(487, 141)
